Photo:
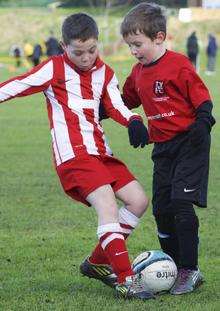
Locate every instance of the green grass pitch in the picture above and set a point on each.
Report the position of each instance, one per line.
(44, 236)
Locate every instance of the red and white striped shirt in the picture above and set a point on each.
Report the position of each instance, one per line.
(73, 99)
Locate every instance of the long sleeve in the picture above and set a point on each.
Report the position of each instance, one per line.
(130, 96)
(114, 105)
(34, 81)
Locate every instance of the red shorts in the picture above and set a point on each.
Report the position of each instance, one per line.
(81, 176)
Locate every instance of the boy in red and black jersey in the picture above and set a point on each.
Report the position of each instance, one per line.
(178, 107)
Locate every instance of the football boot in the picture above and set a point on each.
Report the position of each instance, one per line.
(100, 272)
(187, 281)
(134, 288)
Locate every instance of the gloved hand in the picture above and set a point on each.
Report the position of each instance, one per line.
(198, 131)
(138, 134)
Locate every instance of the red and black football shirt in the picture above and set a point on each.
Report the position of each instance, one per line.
(169, 90)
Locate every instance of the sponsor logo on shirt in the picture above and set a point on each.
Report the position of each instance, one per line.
(161, 115)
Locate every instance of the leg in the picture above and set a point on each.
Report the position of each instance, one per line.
(109, 231)
(189, 186)
(187, 225)
(162, 208)
(128, 190)
(134, 198)
(167, 235)
(136, 204)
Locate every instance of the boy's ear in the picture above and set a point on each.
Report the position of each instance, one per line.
(160, 37)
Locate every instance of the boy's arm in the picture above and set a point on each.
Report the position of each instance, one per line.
(194, 89)
(115, 108)
(114, 105)
(129, 94)
(203, 123)
(34, 81)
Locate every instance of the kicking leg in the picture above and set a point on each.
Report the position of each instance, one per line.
(135, 204)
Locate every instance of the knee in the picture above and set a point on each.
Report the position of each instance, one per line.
(139, 205)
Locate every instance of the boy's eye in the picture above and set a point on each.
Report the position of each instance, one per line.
(135, 45)
(78, 53)
(92, 50)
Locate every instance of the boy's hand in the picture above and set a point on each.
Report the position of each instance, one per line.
(138, 134)
(198, 130)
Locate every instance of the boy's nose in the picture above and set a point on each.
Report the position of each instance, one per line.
(133, 51)
(85, 58)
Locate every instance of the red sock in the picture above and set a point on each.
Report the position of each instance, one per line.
(98, 256)
(128, 222)
(113, 244)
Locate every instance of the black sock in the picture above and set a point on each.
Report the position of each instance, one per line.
(187, 225)
(167, 235)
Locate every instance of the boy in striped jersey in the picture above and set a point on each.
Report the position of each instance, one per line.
(74, 83)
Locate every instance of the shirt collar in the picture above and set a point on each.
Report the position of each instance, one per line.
(156, 61)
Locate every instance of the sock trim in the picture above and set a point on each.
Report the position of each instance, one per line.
(111, 227)
(110, 238)
(128, 218)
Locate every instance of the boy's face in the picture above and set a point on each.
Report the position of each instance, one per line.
(82, 53)
(145, 49)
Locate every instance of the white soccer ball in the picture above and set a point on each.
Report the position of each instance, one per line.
(158, 270)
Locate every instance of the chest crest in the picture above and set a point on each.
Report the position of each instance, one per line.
(158, 88)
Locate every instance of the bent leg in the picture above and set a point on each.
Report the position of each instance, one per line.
(134, 198)
(109, 231)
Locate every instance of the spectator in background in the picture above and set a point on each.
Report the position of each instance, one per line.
(28, 53)
(193, 49)
(211, 52)
(16, 52)
(52, 46)
(37, 53)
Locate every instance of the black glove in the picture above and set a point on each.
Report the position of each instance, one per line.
(203, 123)
(198, 131)
(138, 134)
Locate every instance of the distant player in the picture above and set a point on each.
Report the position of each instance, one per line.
(74, 83)
(178, 107)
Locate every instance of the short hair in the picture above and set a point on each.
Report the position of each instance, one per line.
(148, 18)
(79, 26)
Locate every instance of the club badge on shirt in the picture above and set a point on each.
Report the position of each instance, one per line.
(159, 88)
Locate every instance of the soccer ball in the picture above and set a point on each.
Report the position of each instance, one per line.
(158, 270)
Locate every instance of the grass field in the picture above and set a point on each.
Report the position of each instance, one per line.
(44, 236)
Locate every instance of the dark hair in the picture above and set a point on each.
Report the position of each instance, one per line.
(79, 26)
(148, 18)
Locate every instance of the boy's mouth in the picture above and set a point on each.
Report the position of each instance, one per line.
(141, 59)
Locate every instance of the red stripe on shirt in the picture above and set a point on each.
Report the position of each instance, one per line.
(71, 118)
(86, 86)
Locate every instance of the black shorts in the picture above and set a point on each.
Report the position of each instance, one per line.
(180, 172)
